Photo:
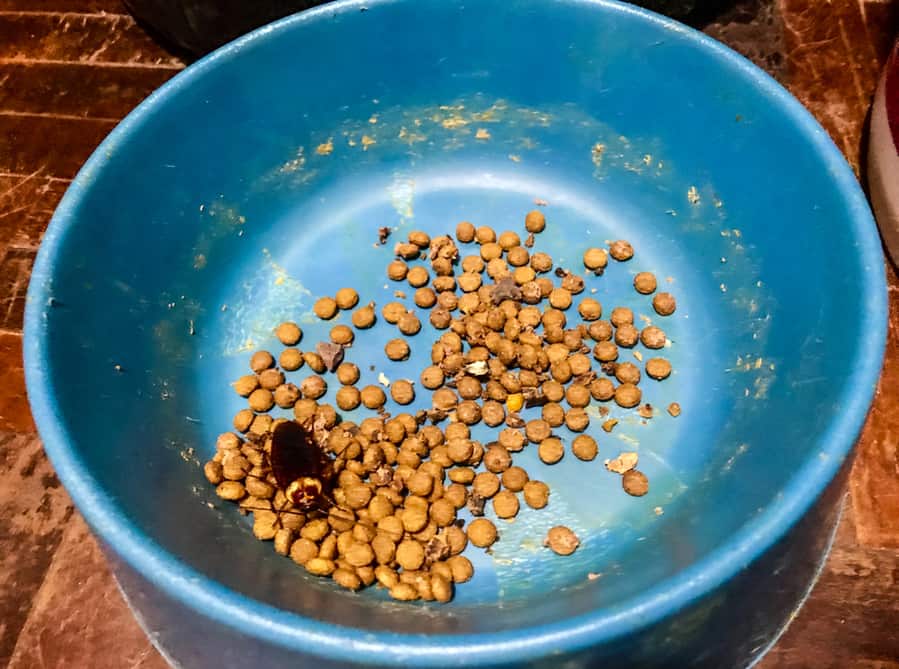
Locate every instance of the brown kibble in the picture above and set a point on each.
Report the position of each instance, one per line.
(482, 532)
(492, 413)
(397, 349)
(271, 378)
(441, 588)
(600, 331)
(626, 335)
(535, 221)
(313, 387)
(537, 430)
(373, 397)
(418, 276)
(402, 391)
(579, 364)
(584, 447)
(560, 298)
(320, 566)
(432, 377)
(290, 359)
(243, 419)
(658, 368)
(577, 420)
(346, 298)
(404, 592)
(425, 297)
(286, 395)
(541, 262)
(469, 282)
(409, 324)
(410, 555)
(627, 395)
(595, 259)
(314, 361)
(325, 308)
(674, 409)
(551, 450)
(491, 251)
(346, 579)
(485, 235)
(621, 250)
(468, 412)
(497, 459)
(621, 316)
(303, 550)
(627, 372)
(414, 519)
(342, 334)
(213, 472)
(523, 275)
(347, 373)
(440, 318)
(283, 541)
(348, 398)
(461, 567)
(364, 317)
(605, 351)
(231, 490)
(645, 283)
(463, 475)
(397, 270)
(664, 304)
(589, 309)
(261, 360)
(444, 399)
(577, 396)
(518, 256)
(485, 484)
(445, 284)
(472, 264)
(443, 512)
(514, 479)
(261, 400)
(652, 337)
(288, 333)
(465, 232)
(635, 483)
(505, 504)
(508, 240)
(393, 311)
(553, 413)
(360, 554)
(406, 250)
(420, 483)
(562, 540)
(420, 238)
(456, 493)
(536, 494)
(246, 384)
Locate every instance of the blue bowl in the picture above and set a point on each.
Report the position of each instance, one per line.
(256, 181)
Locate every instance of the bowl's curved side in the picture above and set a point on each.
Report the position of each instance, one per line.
(235, 612)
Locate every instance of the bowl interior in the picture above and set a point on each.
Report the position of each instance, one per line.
(257, 182)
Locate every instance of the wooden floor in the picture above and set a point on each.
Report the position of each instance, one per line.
(70, 69)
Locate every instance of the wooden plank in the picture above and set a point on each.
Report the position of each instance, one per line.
(95, 627)
(82, 6)
(49, 146)
(60, 89)
(27, 202)
(15, 271)
(79, 38)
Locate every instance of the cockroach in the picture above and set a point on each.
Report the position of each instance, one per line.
(302, 469)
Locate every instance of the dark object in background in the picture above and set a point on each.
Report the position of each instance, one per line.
(196, 27)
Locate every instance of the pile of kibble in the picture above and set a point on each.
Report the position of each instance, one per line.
(400, 481)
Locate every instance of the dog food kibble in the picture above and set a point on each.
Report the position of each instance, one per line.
(562, 540)
(346, 298)
(261, 360)
(364, 317)
(482, 532)
(658, 368)
(584, 447)
(652, 337)
(288, 333)
(290, 359)
(325, 308)
(621, 250)
(645, 283)
(595, 259)
(635, 483)
(246, 385)
(664, 304)
(402, 392)
(551, 450)
(535, 221)
(503, 353)
(397, 349)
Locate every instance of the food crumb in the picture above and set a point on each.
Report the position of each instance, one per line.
(326, 148)
(540, 202)
(645, 410)
(383, 380)
(609, 425)
(592, 576)
(625, 462)
(693, 195)
(658, 511)
(482, 133)
(383, 234)
(674, 409)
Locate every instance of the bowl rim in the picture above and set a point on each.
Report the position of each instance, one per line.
(297, 633)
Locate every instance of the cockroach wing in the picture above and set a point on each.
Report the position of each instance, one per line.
(294, 454)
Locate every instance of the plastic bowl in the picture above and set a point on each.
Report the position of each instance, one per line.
(251, 184)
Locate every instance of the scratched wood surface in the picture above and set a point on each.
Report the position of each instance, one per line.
(69, 69)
